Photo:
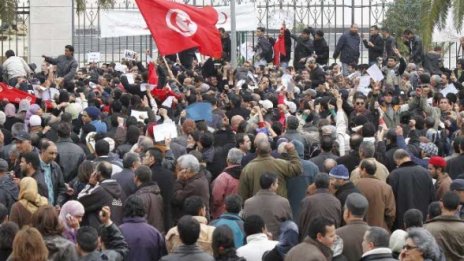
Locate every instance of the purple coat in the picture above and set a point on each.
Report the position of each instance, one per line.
(145, 242)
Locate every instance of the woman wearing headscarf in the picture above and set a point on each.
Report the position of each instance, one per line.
(34, 109)
(28, 202)
(10, 113)
(71, 216)
(288, 238)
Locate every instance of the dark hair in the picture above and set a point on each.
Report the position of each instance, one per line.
(64, 129)
(189, 230)
(322, 181)
(233, 203)
(105, 169)
(102, 148)
(129, 159)
(9, 53)
(3, 212)
(262, 29)
(434, 209)
(32, 158)
(375, 27)
(143, 173)
(369, 166)
(407, 32)
(70, 48)
(253, 224)
(133, 207)
(8, 232)
(240, 138)
(413, 218)
(320, 33)
(451, 200)
(319, 226)
(266, 180)
(85, 170)
(45, 219)
(223, 243)
(326, 143)
(206, 140)
(378, 236)
(193, 205)
(87, 238)
(156, 153)
(133, 133)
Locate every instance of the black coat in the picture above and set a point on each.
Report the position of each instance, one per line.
(413, 188)
(317, 76)
(225, 41)
(165, 180)
(416, 50)
(377, 49)
(350, 160)
(345, 190)
(304, 48)
(321, 48)
(389, 44)
(348, 48)
(455, 166)
(8, 192)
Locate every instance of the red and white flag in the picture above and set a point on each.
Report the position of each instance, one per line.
(11, 94)
(176, 27)
(279, 49)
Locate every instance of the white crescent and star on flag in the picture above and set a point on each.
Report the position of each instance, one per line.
(179, 21)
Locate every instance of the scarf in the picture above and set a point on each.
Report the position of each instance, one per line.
(29, 196)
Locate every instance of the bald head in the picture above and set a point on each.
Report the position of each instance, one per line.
(329, 164)
(260, 137)
(235, 121)
(263, 148)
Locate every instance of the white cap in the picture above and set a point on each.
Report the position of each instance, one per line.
(267, 104)
(35, 120)
(291, 106)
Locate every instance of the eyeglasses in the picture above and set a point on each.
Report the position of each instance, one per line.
(408, 247)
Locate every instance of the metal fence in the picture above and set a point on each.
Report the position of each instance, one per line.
(14, 35)
(331, 16)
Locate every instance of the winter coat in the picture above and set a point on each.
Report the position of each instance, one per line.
(94, 256)
(455, 166)
(165, 180)
(256, 246)
(150, 195)
(321, 48)
(107, 193)
(188, 253)
(70, 157)
(319, 159)
(352, 234)
(416, 50)
(125, 178)
(225, 184)
(8, 191)
(59, 188)
(345, 190)
(197, 185)
(303, 49)
(348, 48)
(309, 250)
(235, 223)
(60, 249)
(116, 247)
(272, 208)
(382, 206)
(321, 203)
(145, 242)
(389, 45)
(381, 172)
(204, 240)
(378, 254)
(449, 233)
(413, 188)
(249, 180)
(376, 50)
(317, 76)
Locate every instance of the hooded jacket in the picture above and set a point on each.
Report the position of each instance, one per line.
(60, 249)
(107, 193)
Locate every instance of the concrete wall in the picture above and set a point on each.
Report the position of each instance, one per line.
(50, 28)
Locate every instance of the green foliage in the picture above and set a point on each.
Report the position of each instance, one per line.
(103, 4)
(7, 11)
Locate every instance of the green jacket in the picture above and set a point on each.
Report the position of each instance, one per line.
(249, 179)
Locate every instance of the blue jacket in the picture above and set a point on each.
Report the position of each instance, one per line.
(348, 48)
(145, 242)
(235, 223)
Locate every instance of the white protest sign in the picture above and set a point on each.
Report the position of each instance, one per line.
(375, 73)
(93, 57)
(168, 102)
(162, 131)
(130, 78)
(145, 86)
(139, 115)
(119, 67)
(129, 55)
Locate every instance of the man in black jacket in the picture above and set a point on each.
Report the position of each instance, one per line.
(153, 158)
(316, 73)
(414, 43)
(102, 191)
(8, 190)
(374, 45)
(225, 41)
(321, 48)
(389, 45)
(303, 49)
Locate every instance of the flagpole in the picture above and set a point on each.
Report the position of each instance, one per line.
(233, 37)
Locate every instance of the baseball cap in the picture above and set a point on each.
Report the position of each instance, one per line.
(22, 135)
(291, 106)
(3, 165)
(339, 172)
(437, 161)
(267, 104)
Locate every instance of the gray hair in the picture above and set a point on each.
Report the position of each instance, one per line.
(378, 236)
(367, 149)
(145, 143)
(16, 128)
(235, 156)
(129, 159)
(357, 204)
(436, 78)
(425, 242)
(400, 154)
(189, 161)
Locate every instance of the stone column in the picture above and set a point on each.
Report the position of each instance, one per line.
(50, 28)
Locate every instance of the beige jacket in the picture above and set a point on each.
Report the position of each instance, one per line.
(381, 173)
(204, 241)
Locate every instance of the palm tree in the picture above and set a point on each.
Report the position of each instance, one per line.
(103, 4)
(436, 13)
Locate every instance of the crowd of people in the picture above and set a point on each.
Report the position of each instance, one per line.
(313, 161)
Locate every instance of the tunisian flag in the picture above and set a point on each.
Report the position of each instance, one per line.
(152, 75)
(176, 27)
(279, 49)
(13, 95)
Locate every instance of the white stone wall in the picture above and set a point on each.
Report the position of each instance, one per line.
(50, 28)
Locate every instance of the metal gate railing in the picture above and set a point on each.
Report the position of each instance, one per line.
(14, 35)
(332, 16)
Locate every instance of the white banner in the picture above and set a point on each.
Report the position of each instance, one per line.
(116, 23)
